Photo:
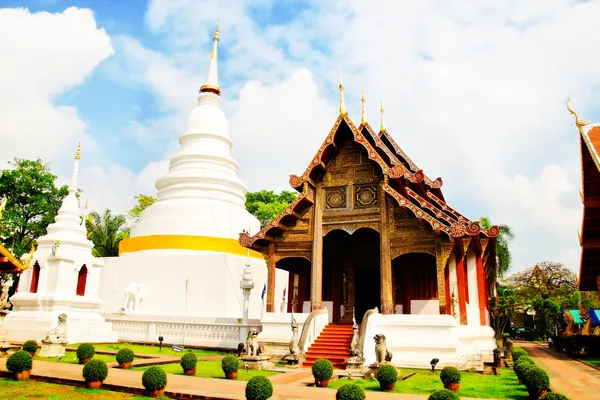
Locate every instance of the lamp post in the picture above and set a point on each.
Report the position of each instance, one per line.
(247, 284)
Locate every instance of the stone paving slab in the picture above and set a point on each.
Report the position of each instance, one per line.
(567, 376)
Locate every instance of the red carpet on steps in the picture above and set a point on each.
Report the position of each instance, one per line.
(333, 344)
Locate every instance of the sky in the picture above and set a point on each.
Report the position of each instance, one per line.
(474, 92)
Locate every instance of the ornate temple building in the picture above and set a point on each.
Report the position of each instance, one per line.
(589, 236)
(370, 229)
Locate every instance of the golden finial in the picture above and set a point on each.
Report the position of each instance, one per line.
(78, 152)
(579, 123)
(216, 35)
(342, 108)
(3, 205)
(363, 119)
(382, 128)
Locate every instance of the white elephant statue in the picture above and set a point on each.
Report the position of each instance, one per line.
(134, 294)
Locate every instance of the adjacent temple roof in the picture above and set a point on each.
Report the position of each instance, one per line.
(403, 181)
(589, 237)
(9, 263)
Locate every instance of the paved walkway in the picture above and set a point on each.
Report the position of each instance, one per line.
(567, 376)
(287, 386)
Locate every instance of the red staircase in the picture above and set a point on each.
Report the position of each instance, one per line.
(333, 344)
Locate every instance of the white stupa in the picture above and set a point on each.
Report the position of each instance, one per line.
(64, 278)
(183, 261)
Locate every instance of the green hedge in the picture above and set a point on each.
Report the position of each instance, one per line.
(517, 352)
(95, 370)
(536, 379)
(19, 361)
(259, 388)
(85, 350)
(322, 369)
(350, 391)
(554, 396)
(125, 356)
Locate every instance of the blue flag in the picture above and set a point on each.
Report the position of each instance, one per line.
(262, 296)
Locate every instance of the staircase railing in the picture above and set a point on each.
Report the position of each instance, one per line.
(313, 326)
(367, 329)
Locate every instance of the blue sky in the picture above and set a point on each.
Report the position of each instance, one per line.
(473, 94)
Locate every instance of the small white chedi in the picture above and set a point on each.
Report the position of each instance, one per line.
(182, 264)
(63, 278)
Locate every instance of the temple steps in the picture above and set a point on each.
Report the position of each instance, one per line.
(332, 344)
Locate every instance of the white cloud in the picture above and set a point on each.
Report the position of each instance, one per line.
(44, 55)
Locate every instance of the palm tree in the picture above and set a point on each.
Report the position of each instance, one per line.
(502, 241)
(106, 231)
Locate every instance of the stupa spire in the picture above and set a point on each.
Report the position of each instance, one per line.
(73, 185)
(382, 128)
(363, 119)
(212, 77)
(342, 107)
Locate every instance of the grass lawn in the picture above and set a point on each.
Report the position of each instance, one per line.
(473, 384)
(70, 357)
(209, 369)
(31, 389)
(593, 361)
(147, 349)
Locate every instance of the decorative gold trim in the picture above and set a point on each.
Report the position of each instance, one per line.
(579, 123)
(78, 152)
(382, 127)
(207, 87)
(185, 242)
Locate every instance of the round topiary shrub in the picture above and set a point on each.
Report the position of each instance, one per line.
(230, 365)
(30, 346)
(450, 375)
(387, 375)
(554, 396)
(322, 369)
(154, 379)
(188, 361)
(350, 391)
(125, 356)
(85, 351)
(522, 369)
(259, 388)
(443, 394)
(19, 361)
(95, 371)
(517, 352)
(536, 380)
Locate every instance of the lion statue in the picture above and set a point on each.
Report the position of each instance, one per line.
(355, 350)
(58, 334)
(381, 352)
(294, 342)
(252, 348)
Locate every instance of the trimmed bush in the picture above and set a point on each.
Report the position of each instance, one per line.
(350, 391)
(554, 396)
(153, 379)
(230, 364)
(259, 388)
(95, 370)
(125, 356)
(30, 346)
(518, 352)
(85, 350)
(387, 374)
(19, 361)
(535, 379)
(450, 375)
(188, 361)
(443, 394)
(322, 369)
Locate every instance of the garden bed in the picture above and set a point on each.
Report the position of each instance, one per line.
(31, 389)
(153, 350)
(210, 369)
(70, 357)
(473, 384)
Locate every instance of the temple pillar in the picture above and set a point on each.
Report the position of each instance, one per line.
(442, 252)
(316, 281)
(453, 287)
(385, 272)
(482, 285)
(295, 286)
(271, 266)
(472, 287)
(461, 281)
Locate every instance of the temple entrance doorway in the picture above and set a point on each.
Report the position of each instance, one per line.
(351, 273)
(415, 284)
(298, 283)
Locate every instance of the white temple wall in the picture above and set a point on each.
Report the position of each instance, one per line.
(425, 307)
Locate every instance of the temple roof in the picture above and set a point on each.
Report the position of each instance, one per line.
(403, 181)
(9, 263)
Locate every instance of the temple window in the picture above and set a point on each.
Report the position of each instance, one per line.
(81, 281)
(35, 278)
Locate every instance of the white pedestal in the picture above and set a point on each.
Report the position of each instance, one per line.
(52, 349)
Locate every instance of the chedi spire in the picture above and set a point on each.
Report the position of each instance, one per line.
(212, 77)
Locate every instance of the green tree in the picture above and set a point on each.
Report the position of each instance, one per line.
(547, 315)
(502, 246)
(142, 202)
(32, 203)
(502, 308)
(106, 232)
(266, 204)
(547, 279)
